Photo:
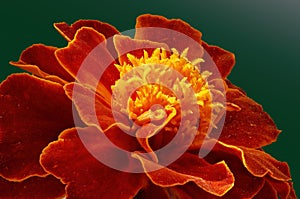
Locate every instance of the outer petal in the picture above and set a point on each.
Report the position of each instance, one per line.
(87, 59)
(85, 176)
(136, 47)
(250, 126)
(33, 113)
(40, 60)
(284, 189)
(33, 187)
(223, 59)
(69, 32)
(215, 179)
(181, 37)
(246, 185)
(153, 191)
(266, 192)
(257, 162)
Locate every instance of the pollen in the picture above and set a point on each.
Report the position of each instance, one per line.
(159, 103)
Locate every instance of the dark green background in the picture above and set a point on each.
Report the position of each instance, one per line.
(263, 34)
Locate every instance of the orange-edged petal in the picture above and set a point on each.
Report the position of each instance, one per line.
(33, 113)
(85, 176)
(216, 179)
(87, 59)
(257, 162)
(34, 187)
(69, 31)
(40, 60)
(175, 33)
(92, 107)
(246, 185)
(153, 191)
(124, 45)
(284, 189)
(266, 192)
(250, 126)
(223, 59)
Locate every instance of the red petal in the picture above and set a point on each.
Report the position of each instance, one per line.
(92, 107)
(28, 122)
(251, 126)
(34, 187)
(85, 176)
(69, 32)
(124, 45)
(215, 179)
(223, 59)
(284, 189)
(181, 37)
(257, 162)
(88, 55)
(246, 185)
(266, 192)
(153, 191)
(41, 61)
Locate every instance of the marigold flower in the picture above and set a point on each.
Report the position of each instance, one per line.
(111, 116)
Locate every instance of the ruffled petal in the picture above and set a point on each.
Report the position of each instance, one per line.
(87, 59)
(284, 189)
(257, 162)
(34, 187)
(215, 179)
(69, 32)
(92, 107)
(124, 45)
(266, 192)
(69, 160)
(246, 185)
(153, 191)
(40, 60)
(33, 113)
(250, 126)
(175, 33)
(223, 59)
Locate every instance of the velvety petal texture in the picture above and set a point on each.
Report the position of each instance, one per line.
(47, 187)
(63, 136)
(86, 177)
(30, 117)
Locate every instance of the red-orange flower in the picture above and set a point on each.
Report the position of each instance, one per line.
(109, 116)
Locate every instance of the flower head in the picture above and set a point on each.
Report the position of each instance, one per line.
(110, 116)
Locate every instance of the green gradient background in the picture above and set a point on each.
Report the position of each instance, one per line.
(263, 35)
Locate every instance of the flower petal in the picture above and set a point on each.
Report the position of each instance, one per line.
(33, 187)
(246, 185)
(223, 59)
(69, 32)
(175, 33)
(153, 191)
(257, 162)
(284, 189)
(69, 160)
(33, 113)
(40, 60)
(87, 59)
(215, 179)
(266, 192)
(92, 107)
(250, 126)
(124, 45)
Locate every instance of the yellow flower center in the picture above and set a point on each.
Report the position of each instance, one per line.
(158, 102)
